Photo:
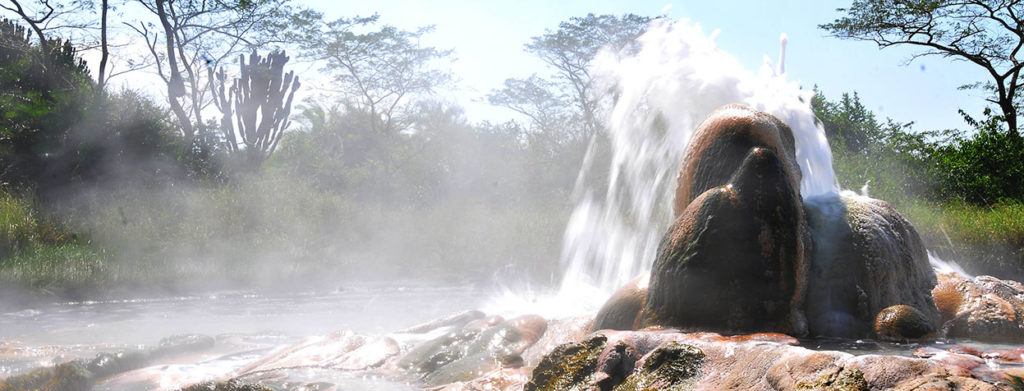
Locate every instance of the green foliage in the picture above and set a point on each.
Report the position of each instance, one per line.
(70, 270)
(41, 96)
(23, 228)
(58, 135)
(983, 239)
(964, 191)
(18, 227)
(43, 255)
(983, 168)
(891, 161)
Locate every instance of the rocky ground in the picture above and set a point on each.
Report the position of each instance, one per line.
(475, 351)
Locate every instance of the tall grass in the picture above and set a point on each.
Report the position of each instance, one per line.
(273, 231)
(18, 228)
(41, 255)
(983, 239)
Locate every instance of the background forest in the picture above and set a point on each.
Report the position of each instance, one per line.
(241, 174)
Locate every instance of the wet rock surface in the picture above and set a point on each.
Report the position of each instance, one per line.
(533, 353)
(82, 374)
(707, 361)
(982, 308)
(624, 310)
(720, 144)
(866, 257)
(672, 359)
(733, 260)
(903, 323)
(747, 253)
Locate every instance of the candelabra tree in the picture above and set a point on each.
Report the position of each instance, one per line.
(256, 107)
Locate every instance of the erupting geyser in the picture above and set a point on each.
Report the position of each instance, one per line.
(661, 92)
(747, 254)
(758, 236)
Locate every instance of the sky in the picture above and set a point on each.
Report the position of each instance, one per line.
(488, 38)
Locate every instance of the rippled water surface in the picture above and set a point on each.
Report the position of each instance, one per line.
(245, 324)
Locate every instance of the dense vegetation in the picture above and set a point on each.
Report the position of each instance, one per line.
(963, 189)
(103, 190)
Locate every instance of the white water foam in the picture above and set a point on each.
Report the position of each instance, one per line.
(662, 92)
(945, 267)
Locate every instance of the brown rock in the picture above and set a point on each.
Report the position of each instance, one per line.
(733, 260)
(623, 310)
(719, 145)
(616, 360)
(865, 257)
(902, 323)
(983, 308)
(559, 331)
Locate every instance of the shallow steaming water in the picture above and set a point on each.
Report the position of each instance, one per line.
(675, 79)
(242, 322)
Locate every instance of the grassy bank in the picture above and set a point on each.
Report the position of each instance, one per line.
(285, 234)
(42, 255)
(984, 240)
(268, 234)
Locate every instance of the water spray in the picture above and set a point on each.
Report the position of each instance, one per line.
(662, 92)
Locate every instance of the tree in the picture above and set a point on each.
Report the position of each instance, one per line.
(55, 138)
(848, 124)
(549, 110)
(256, 102)
(886, 158)
(35, 19)
(571, 49)
(563, 109)
(41, 95)
(190, 36)
(977, 167)
(101, 74)
(378, 71)
(45, 16)
(986, 33)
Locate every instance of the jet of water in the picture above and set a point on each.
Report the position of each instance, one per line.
(661, 92)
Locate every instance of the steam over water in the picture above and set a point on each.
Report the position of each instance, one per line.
(662, 92)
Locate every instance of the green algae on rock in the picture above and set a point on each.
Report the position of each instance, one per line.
(845, 380)
(569, 367)
(672, 366)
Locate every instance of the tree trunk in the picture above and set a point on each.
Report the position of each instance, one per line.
(175, 86)
(101, 74)
(1010, 116)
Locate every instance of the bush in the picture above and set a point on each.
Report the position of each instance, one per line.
(889, 160)
(18, 227)
(985, 167)
(964, 191)
(42, 95)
